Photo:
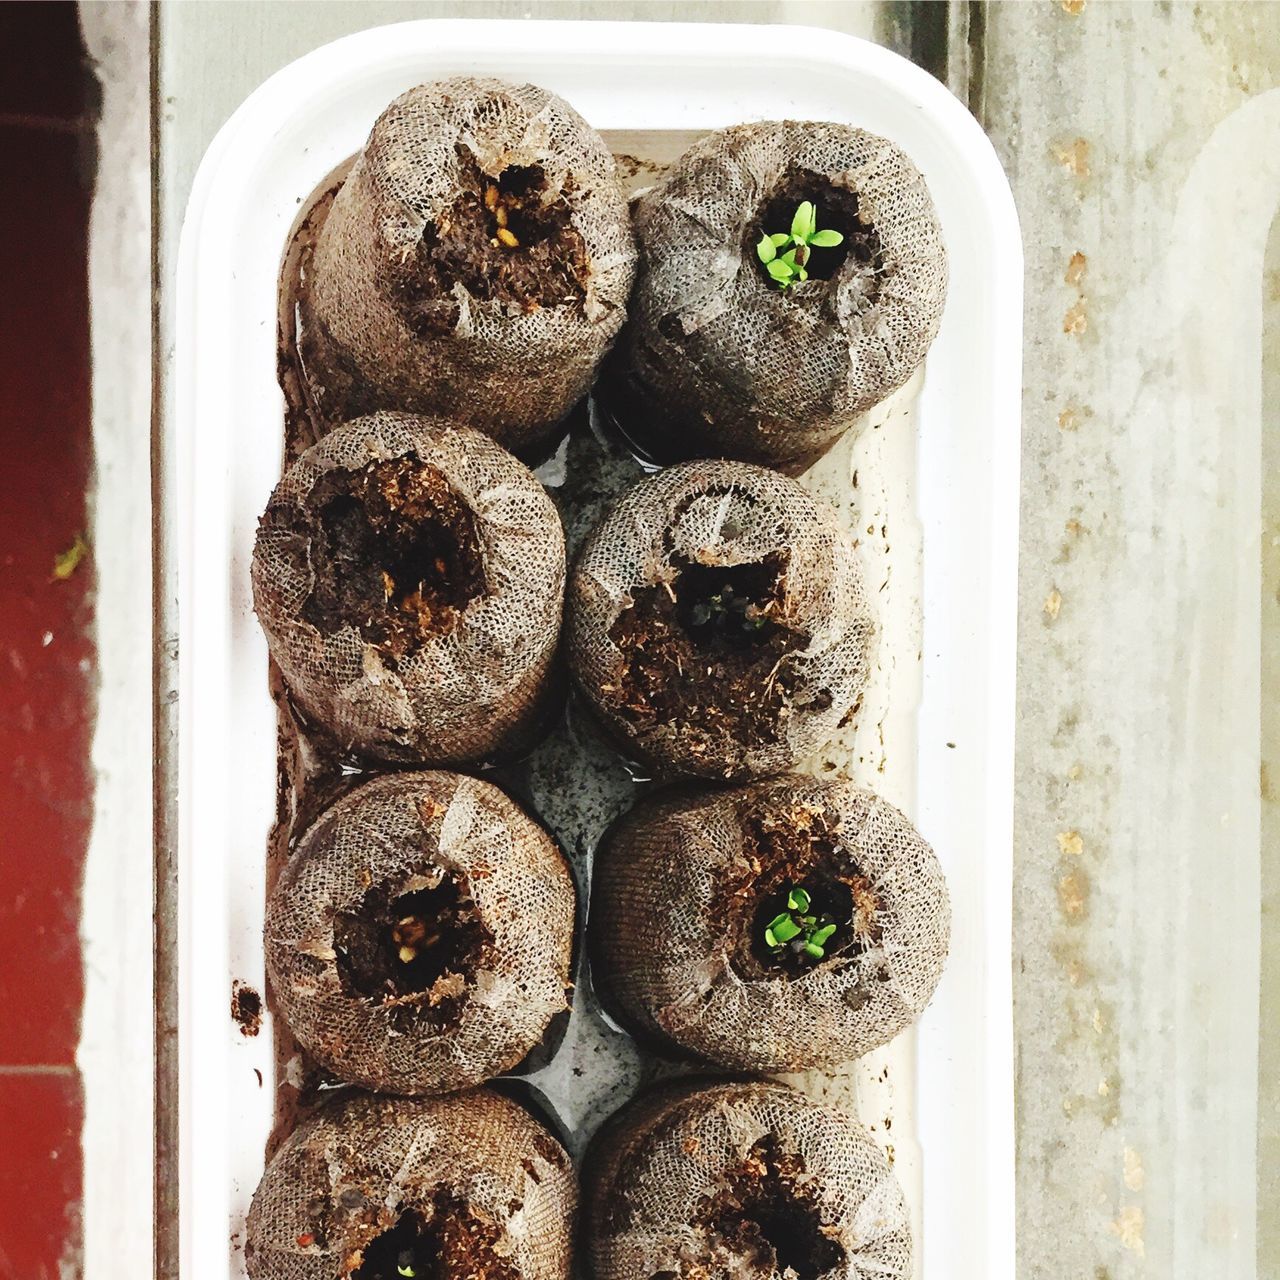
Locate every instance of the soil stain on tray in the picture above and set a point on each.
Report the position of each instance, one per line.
(246, 1008)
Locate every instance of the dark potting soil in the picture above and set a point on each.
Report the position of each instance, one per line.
(767, 1213)
(450, 1243)
(506, 238)
(797, 846)
(395, 553)
(837, 210)
(417, 951)
(707, 651)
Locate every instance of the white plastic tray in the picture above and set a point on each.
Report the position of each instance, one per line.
(937, 499)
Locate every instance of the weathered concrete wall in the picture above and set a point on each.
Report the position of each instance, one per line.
(1269, 777)
(1144, 152)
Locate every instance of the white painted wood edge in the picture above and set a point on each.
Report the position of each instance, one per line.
(115, 1054)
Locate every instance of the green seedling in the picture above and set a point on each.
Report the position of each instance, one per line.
(788, 266)
(804, 933)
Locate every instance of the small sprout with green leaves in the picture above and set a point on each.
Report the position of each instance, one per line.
(805, 933)
(788, 266)
(406, 1269)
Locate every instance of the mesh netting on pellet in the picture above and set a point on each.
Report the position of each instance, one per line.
(420, 938)
(717, 621)
(369, 1188)
(685, 886)
(716, 358)
(752, 1181)
(476, 262)
(409, 574)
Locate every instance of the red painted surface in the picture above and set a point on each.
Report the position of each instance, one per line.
(40, 1117)
(46, 658)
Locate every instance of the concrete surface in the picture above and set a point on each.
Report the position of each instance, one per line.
(1143, 144)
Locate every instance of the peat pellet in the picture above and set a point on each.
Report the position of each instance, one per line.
(718, 624)
(419, 940)
(409, 575)
(470, 1187)
(753, 1181)
(719, 358)
(475, 264)
(791, 924)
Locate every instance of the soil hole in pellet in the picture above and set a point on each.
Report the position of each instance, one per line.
(707, 648)
(448, 1243)
(427, 944)
(395, 553)
(795, 848)
(766, 1214)
(506, 238)
(836, 209)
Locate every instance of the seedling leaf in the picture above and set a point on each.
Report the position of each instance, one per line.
(798, 900)
(826, 239)
(812, 949)
(804, 221)
(785, 928)
(780, 271)
(766, 250)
